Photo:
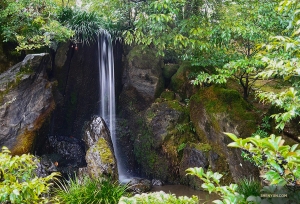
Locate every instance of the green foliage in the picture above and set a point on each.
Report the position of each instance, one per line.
(32, 24)
(181, 147)
(280, 163)
(90, 191)
(249, 187)
(263, 128)
(18, 182)
(86, 25)
(211, 183)
(158, 198)
(281, 54)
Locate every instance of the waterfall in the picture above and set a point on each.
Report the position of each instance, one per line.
(107, 94)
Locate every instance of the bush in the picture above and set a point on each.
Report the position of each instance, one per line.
(18, 181)
(158, 198)
(90, 191)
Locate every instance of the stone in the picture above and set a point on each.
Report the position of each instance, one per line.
(215, 111)
(139, 185)
(26, 101)
(157, 182)
(71, 151)
(143, 72)
(192, 157)
(161, 119)
(100, 156)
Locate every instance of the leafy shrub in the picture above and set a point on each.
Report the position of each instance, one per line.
(18, 181)
(158, 198)
(90, 191)
(86, 25)
(278, 162)
(211, 183)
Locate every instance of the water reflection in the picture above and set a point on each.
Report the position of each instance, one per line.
(181, 190)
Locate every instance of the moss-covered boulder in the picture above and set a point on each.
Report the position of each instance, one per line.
(216, 110)
(180, 81)
(26, 101)
(100, 156)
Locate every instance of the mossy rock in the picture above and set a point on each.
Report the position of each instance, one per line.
(169, 70)
(221, 100)
(167, 95)
(101, 161)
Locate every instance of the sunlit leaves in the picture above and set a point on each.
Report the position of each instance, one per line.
(19, 183)
(212, 184)
(278, 161)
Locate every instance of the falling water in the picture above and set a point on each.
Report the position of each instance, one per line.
(107, 94)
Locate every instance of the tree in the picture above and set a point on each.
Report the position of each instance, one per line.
(205, 34)
(255, 22)
(32, 24)
(281, 55)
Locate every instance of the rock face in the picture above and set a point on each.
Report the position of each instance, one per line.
(77, 93)
(142, 76)
(100, 154)
(218, 110)
(26, 101)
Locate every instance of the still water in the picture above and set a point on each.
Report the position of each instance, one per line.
(181, 190)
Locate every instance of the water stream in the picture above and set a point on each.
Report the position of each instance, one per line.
(107, 95)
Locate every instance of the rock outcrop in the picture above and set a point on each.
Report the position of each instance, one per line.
(218, 110)
(26, 101)
(100, 156)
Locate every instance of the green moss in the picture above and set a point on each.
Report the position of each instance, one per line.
(205, 147)
(220, 100)
(168, 95)
(104, 151)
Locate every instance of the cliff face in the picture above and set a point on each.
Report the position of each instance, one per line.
(26, 101)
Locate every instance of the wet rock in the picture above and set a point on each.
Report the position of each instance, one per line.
(143, 72)
(100, 156)
(139, 185)
(157, 182)
(26, 101)
(71, 151)
(45, 166)
(192, 157)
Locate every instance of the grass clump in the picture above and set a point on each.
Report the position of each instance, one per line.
(90, 190)
(249, 187)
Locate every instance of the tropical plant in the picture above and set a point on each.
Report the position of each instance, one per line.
(18, 180)
(90, 190)
(158, 198)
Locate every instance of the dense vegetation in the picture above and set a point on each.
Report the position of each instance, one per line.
(244, 40)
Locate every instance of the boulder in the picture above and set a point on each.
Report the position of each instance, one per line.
(143, 72)
(193, 156)
(215, 111)
(26, 101)
(139, 185)
(161, 119)
(100, 156)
